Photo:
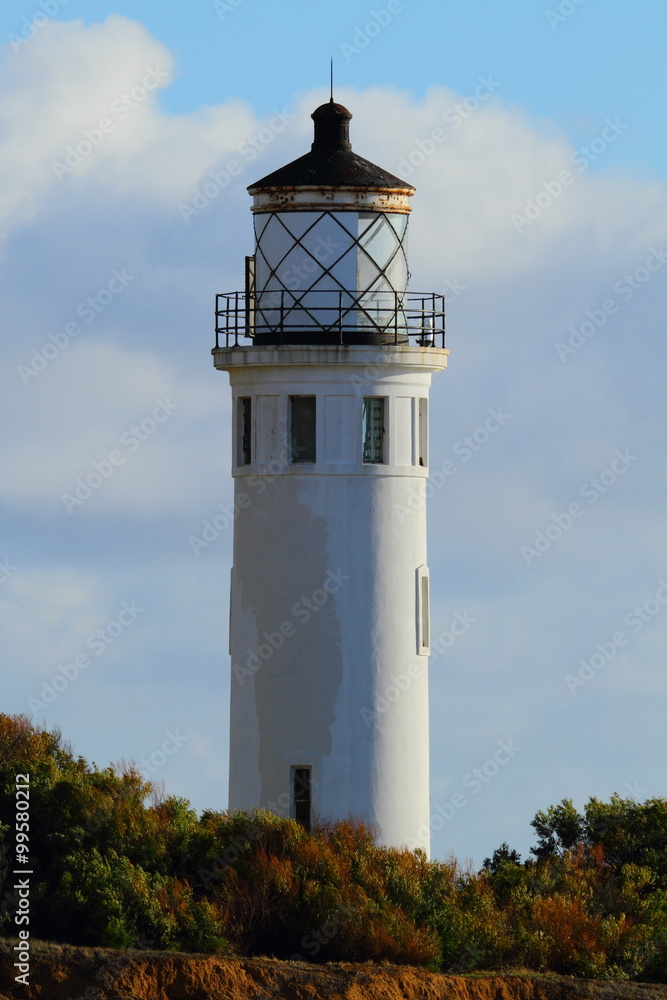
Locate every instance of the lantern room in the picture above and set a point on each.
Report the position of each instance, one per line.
(330, 263)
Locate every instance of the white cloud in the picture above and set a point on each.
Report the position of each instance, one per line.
(66, 82)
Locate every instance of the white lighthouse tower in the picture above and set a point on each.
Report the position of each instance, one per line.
(330, 362)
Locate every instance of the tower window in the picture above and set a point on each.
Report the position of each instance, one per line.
(302, 796)
(244, 430)
(426, 639)
(373, 429)
(423, 432)
(423, 612)
(303, 424)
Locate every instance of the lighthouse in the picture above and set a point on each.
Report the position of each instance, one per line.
(330, 360)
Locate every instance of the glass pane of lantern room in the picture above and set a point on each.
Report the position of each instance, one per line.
(305, 260)
(382, 272)
(327, 270)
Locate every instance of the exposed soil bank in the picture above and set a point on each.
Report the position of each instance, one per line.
(67, 973)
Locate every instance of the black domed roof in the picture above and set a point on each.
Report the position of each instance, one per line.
(331, 161)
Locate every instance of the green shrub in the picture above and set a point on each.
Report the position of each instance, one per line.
(116, 866)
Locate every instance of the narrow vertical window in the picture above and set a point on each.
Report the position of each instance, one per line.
(373, 429)
(423, 432)
(302, 796)
(244, 430)
(303, 425)
(426, 625)
(423, 612)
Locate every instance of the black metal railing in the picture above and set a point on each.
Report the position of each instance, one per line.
(329, 316)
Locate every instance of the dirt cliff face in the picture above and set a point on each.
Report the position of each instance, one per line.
(66, 973)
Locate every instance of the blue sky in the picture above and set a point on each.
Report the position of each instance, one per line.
(570, 67)
(555, 319)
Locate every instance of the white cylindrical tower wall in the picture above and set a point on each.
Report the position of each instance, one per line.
(329, 644)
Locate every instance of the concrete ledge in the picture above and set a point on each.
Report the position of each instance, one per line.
(403, 355)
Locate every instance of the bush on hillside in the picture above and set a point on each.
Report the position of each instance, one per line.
(116, 865)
